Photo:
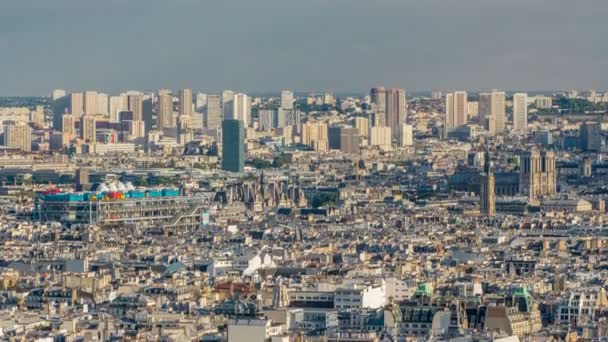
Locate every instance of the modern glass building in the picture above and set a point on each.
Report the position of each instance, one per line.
(233, 145)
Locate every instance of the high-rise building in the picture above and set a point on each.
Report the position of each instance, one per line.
(166, 119)
(396, 110)
(200, 102)
(288, 117)
(88, 131)
(76, 104)
(543, 102)
(267, 119)
(241, 108)
(37, 116)
(487, 194)
(227, 98)
(287, 99)
(212, 117)
(380, 136)
(473, 109)
(185, 102)
(61, 105)
(90, 102)
(135, 105)
(520, 113)
(315, 135)
(406, 135)
(18, 136)
(233, 145)
(378, 101)
(537, 174)
(102, 104)
(362, 124)
(68, 124)
(492, 111)
(57, 94)
(350, 140)
(116, 106)
(456, 110)
(590, 137)
(333, 137)
(184, 129)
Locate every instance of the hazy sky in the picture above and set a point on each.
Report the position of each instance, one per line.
(305, 45)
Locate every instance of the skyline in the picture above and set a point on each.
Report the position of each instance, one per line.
(342, 45)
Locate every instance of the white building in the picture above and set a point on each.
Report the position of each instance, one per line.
(397, 289)
(360, 296)
(520, 112)
(406, 135)
(380, 136)
(239, 109)
(581, 306)
(252, 330)
(287, 99)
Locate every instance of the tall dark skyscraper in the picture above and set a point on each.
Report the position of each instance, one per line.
(233, 145)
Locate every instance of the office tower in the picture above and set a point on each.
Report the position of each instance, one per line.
(102, 104)
(116, 106)
(200, 102)
(487, 195)
(406, 135)
(165, 109)
(18, 136)
(380, 136)
(126, 122)
(473, 109)
(37, 116)
(241, 109)
(456, 110)
(76, 104)
(288, 117)
(185, 102)
(287, 99)
(137, 129)
(396, 110)
(267, 119)
(350, 140)
(90, 102)
(537, 174)
(88, 131)
(68, 124)
(334, 137)
(590, 137)
(227, 98)
(147, 113)
(314, 134)
(135, 105)
(520, 112)
(61, 105)
(378, 101)
(492, 111)
(362, 124)
(233, 145)
(213, 115)
(57, 94)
